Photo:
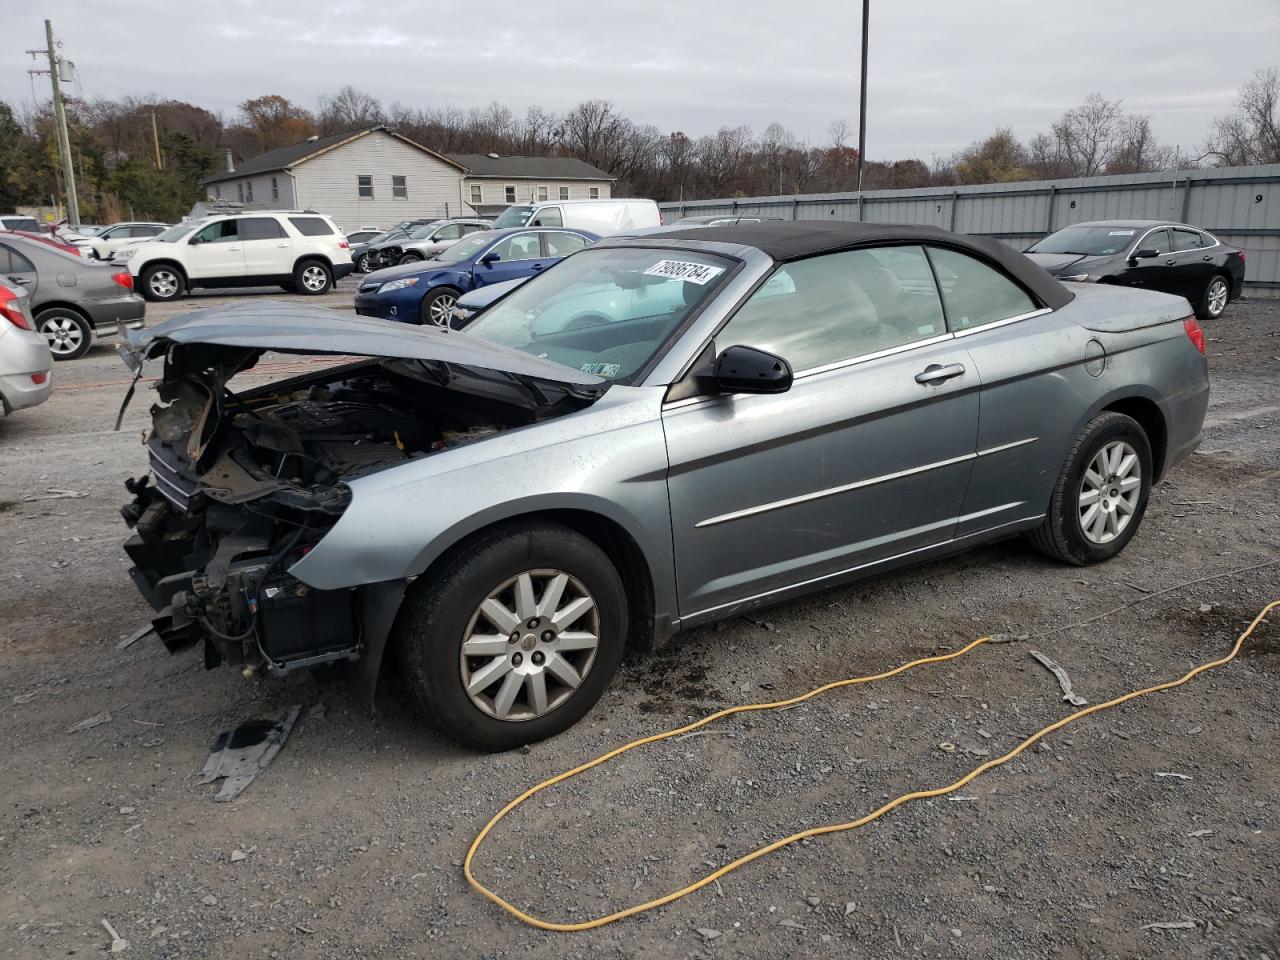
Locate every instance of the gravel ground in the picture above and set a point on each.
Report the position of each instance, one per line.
(350, 844)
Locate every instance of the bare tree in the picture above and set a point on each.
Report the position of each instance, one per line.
(1088, 134)
(1252, 133)
(349, 109)
(840, 133)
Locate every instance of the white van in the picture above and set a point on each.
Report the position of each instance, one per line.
(604, 217)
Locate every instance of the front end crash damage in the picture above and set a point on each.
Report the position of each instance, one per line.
(243, 484)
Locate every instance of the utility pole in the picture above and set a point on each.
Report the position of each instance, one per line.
(155, 139)
(60, 122)
(862, 94)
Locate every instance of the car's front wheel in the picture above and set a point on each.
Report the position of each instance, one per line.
(68, 333)
(437, 306)
(515, 637)
(1216, 296)
(162, 282)
(311, 277)
(411, 258)
(1101, 494)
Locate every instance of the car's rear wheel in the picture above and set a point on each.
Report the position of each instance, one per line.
(411, 258)
(162, 282)
(312, 278)
(1217, 293)
(68, 333)
(515, 637)
(437, 306)
(1101, 494)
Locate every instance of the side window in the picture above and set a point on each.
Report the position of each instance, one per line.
(470, 228)
(314, 227)
(1157, 240)
(261, 228)
(364, 186)
(146, 231)
(1188, 240)
(223, 231)
(450, 231)
(547, 217)
(563, 244)
(975, 293)
(11, 261)
(840, 306)
(519, 246)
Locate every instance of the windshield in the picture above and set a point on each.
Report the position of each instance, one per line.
(604, 311)
(514, 217)
(178, 231)
(421, 233)
(466, 248)
(1087, 241)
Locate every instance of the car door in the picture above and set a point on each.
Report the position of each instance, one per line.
(519, 255)
(1151, 273)
(268, 250)
(1192, 264)
(866, 458)
(215, 252)
(18, 269)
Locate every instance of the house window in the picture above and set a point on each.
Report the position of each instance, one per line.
(248, 191)
(510, 193)
(240, 190)
(364, 186)
(542, 193)
(275, 189)
(564, 193)
(217, 190)
(399, 188)
(595, 193)
(477, 195)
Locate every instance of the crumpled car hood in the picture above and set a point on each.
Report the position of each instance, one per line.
(287, 328)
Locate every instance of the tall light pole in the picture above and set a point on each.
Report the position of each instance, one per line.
(862, 94)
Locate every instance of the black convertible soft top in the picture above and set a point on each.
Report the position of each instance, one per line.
(797, 239)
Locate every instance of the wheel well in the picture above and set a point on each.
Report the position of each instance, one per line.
(610, 537)
(307, 258)
(1152, 422)
(173, 264)
(61, 305)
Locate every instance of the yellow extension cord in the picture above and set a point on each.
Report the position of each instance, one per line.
(815, 831)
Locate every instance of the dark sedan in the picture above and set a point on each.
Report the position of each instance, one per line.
(1151, 254)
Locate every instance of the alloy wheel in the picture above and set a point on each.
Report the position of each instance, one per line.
(163, 283)
(1217, 299)
(63, 335)
(314, 278)
(529, 645)
(1109, 492)
(441, 308)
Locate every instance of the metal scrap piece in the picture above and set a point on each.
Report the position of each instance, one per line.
(1064, 681)
(134, 637)
(241, 754)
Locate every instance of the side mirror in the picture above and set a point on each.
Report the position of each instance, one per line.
(491, 257)
(195, 240)
(1147, 253)
(742, 369)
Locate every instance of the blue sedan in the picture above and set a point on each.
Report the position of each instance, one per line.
(425, 292)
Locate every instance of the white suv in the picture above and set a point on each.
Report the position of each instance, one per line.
(303, 252)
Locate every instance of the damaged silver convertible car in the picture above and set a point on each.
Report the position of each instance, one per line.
(657, 433)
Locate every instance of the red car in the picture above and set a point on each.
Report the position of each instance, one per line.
(64, 247)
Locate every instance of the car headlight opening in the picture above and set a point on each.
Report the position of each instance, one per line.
(393, 285)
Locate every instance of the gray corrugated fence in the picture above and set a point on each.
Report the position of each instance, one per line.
(1241, 205)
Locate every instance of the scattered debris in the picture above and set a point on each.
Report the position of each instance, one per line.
(946, 746)
(238, 855)
(850, 906)
(118, 943)
(793, 924)
(984, 734)
(707, 933)
(813, 901)
(1172, 776)
(1199, 833)
(148, 723)
(241, 754)
(25, 698)
(134, 637)
(1171, 925)
(209, 900)
(1064, 681)
(52, 493)
(961, 799)
(128, 810)
(88, 723)
(1206, 607)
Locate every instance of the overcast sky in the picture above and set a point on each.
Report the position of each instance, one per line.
(943, 72)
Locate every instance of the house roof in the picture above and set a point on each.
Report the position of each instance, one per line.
(529, 168)
(282, 158)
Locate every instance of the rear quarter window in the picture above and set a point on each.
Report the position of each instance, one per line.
(311, 226)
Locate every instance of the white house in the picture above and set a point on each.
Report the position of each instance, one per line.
(376, 177)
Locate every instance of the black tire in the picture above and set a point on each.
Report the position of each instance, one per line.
(312, 278)
(1063, 535)
(435, 307)
(162, 282)
(411, 258)
(1214, 300)
(365, 263)
(68, 334)
(435, 618)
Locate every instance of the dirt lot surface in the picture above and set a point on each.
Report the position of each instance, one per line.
(351, 843)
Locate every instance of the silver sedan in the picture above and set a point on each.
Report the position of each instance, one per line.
(657, 433)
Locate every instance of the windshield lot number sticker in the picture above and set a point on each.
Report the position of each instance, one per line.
(685, 270)
(602, 369)
(1121, 233)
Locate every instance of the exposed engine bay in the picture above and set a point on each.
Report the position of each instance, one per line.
(243, 484)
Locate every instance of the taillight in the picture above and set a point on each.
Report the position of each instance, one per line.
(11, 309)
(343, 245)
(39, 378)
(124, 278)
(1195, 332)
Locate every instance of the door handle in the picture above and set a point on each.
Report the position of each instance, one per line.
(536, 266)
(234, 249)
(1206, 258)
(19, 280)
(282, 245)
(1170, 263)
(937, 374)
